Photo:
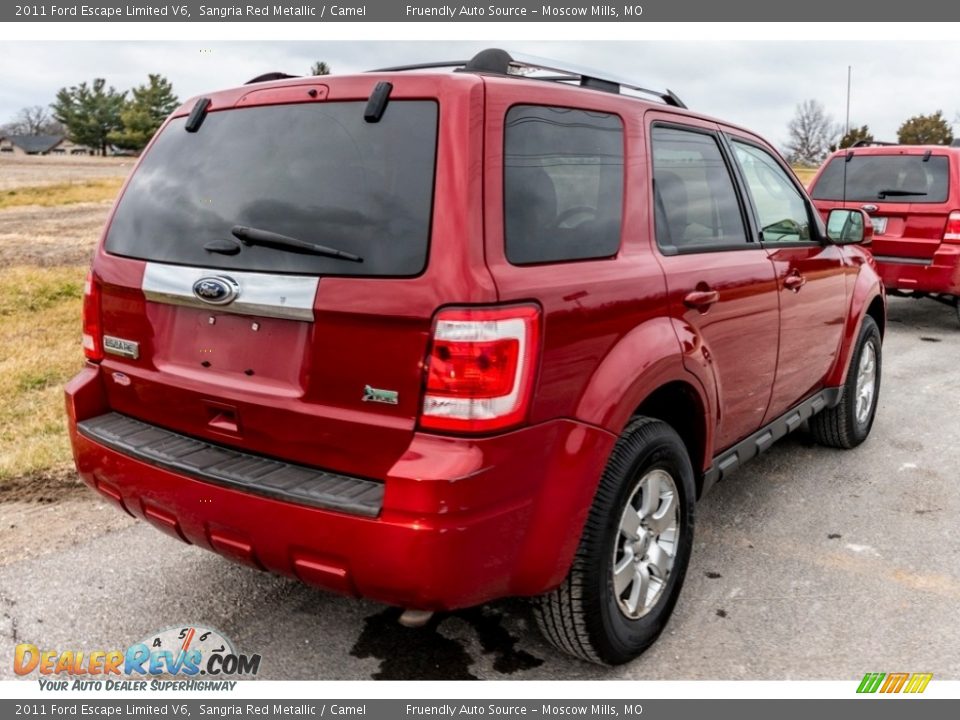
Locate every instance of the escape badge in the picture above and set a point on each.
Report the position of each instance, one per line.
(387, 397)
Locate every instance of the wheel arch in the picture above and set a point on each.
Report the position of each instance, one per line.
(870, 300)
(679, 405)
(645, 374)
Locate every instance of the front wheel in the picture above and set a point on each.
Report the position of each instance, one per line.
(847, 424)
(633, 554)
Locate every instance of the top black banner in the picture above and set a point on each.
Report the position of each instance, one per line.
(509, 11)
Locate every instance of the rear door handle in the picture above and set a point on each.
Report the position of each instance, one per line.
(701, 299)
(794, 281)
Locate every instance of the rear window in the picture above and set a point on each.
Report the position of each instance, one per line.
(562, 184)
(316, 172)
(885, 178)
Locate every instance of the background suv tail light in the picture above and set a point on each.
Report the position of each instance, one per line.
(92, 325)
(480, 368)
(952, 232)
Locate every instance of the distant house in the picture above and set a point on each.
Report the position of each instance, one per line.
(41, 145)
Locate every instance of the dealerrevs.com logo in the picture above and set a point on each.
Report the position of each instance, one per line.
(187, 652)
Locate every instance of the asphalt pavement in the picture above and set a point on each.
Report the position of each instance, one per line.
(809, 563)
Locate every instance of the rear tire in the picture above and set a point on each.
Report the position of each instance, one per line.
(633, 554)
(848, 423)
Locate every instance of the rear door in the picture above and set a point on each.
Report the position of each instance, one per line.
(317, 359)
(905, 190)
(720, 281)
(811, 274)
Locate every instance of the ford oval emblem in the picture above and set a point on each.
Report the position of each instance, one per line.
(216, 290)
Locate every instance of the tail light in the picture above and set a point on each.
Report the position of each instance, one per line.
(480, 368)
(92, 322)
(951, 233)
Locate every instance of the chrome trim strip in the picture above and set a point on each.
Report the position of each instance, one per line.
(280, 296)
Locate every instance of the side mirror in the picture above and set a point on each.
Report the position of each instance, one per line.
(849, 227)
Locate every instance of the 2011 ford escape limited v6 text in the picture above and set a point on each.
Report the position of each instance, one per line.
(435, 338)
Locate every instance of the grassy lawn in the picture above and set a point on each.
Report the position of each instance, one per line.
(39, 351)
(61, 193)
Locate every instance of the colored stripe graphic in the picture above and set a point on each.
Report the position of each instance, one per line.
(894, 682)
(918, 682)
(870, 682)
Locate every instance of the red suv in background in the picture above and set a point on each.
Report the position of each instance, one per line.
(436, 338)
(912, 193)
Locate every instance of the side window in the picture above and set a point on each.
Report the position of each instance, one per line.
(695, 202)
(562, 184)
(781, 209)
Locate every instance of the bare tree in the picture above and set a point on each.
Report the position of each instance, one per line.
(812, 132)
(33, 120)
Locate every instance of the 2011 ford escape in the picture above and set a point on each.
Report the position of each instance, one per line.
(435, 338)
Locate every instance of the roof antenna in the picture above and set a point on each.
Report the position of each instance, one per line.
(197, 115)
(846, 161)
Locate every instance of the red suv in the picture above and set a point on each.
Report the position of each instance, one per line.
(436, 338)
(912, 193)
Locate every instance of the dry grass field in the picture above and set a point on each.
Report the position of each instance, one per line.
(805, 175)
(51, 213)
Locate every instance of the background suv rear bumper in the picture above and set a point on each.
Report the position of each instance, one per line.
(939, 275)
(463, 520)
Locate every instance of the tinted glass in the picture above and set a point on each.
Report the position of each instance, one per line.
(313, 171)
(885, 178)
(781, 209)
(563, 184)
(696, 205)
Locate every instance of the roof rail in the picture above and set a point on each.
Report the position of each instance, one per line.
(267, 77)
(869, 143)
(500, 62)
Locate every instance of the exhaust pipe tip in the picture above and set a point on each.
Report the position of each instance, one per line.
(415, 618)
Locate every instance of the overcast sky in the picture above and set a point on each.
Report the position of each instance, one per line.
(755, 84)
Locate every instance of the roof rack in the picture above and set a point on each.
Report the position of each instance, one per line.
(267, 77)
(870, 143)
(499, 62)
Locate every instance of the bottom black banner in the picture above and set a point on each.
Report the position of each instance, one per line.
(875, 708)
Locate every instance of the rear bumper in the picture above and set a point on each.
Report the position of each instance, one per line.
(463, 521)
(939, 275)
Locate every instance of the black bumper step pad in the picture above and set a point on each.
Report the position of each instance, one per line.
(235, 469)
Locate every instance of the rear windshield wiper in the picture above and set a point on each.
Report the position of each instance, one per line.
(265, 238)
(897, 193)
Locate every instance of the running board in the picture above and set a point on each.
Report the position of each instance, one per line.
(729, 460)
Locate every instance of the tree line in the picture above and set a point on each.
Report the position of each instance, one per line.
(813, 134)
(101, 117)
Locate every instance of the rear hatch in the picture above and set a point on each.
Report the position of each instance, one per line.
(313, 359)
(905, 190)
